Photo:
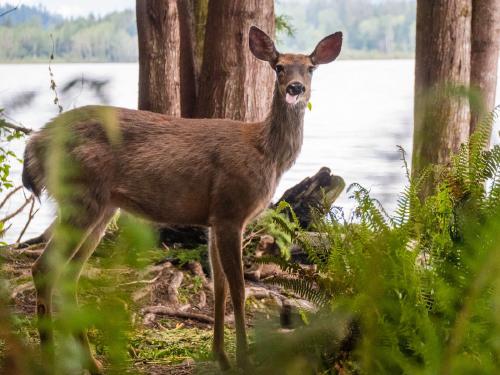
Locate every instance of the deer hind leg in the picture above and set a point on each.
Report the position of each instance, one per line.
(228, 241)
(78, 214)
(76, 264)
(220, 293)
(46, 272)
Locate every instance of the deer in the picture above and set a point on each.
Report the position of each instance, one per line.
(216, 173)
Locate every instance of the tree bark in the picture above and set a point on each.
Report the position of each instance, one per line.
(200, 22)
(442, 61)
(233, 83)
(484, 54)
(159, 57)
(188, 76)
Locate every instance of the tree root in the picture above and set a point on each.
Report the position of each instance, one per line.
(21, 289)
(164, 310)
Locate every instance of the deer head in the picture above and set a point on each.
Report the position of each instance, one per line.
(294, 71)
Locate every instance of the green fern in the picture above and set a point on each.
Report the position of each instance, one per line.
(422, 282)
(304, 288)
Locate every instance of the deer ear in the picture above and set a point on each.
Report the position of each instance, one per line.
(261, 45)
(327, 50)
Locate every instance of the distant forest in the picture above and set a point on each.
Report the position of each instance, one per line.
(25, 35)
(371, 30)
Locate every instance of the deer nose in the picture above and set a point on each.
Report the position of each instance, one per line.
(295, 88)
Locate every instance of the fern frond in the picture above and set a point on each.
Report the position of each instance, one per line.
(304, 288)
(405, 162)
(369, 210)
(284, 206)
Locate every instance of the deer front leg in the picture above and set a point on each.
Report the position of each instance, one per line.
(220, 293)
(228, 241)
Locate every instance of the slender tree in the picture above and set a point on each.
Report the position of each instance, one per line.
(194, 58)
(457, 45)
(159, 56)
(484, 55)
(442, 61)
(187, 63)
(232, 83)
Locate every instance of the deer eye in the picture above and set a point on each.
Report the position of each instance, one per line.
(311, 69)
(280, 68)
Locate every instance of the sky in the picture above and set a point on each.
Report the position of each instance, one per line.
(73, 8)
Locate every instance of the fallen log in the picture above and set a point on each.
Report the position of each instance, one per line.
(313, 193)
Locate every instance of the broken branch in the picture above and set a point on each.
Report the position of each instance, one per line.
(163, 310)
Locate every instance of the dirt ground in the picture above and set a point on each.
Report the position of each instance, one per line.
(170, 308)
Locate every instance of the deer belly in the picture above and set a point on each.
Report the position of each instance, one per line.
(173, 203)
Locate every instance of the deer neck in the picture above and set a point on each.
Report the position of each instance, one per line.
(282, 134)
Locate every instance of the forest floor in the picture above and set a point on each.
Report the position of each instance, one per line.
(169, 310)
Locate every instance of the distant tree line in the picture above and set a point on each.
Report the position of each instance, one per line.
(25, 35)
(371, 29)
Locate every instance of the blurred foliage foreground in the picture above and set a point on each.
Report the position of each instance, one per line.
(412, 293)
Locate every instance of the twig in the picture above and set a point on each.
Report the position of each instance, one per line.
(53, 85)
(163, 310)
(4, 230)
(10, 194)
(9, 11)
(153, 280)
(19, 128)
(18, 211)
(248, 239)
(30, 217)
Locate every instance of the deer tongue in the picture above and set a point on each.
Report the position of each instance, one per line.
(291, 99)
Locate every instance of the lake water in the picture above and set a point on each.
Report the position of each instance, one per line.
(360, 111)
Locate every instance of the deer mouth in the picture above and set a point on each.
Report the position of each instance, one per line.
(292, 99)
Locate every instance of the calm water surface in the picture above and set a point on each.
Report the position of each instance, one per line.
(360, 111)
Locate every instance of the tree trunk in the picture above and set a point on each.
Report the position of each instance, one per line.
(188, 76)
(159, 57)
(442, 61)
(200, 22)
(484, 55)
(233, 83)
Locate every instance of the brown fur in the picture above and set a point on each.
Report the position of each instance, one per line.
(210, 172)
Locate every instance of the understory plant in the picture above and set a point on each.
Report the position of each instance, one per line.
(8, 133)
(415, 292)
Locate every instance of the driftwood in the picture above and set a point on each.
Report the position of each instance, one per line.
(167, 311)
(313, 193)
